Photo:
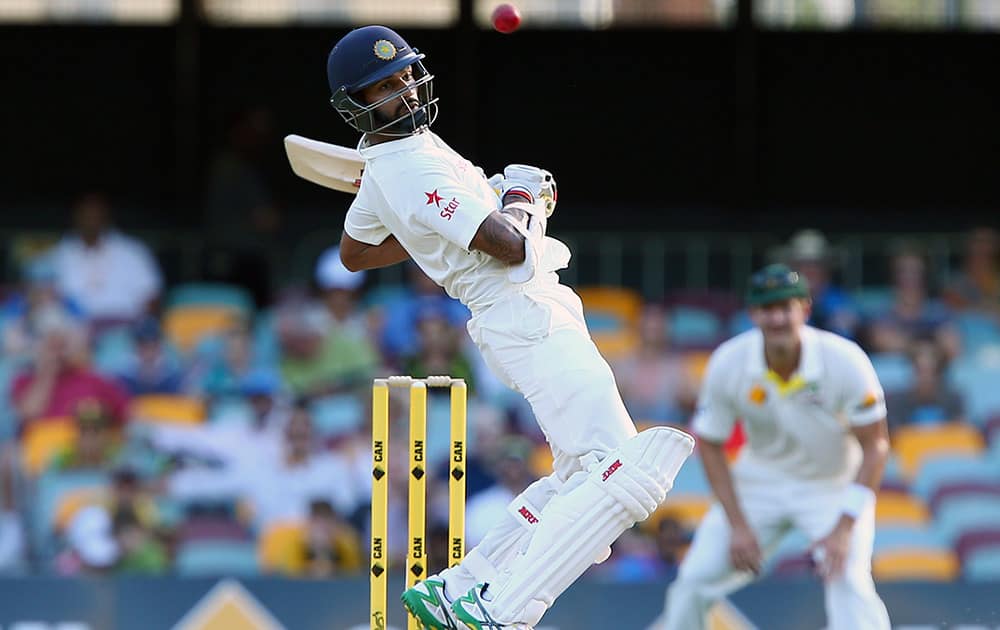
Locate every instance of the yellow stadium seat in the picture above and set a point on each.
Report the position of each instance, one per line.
(168, 408)
(898, 508)
(185, 326)
(622, 307)
(74, 500)
(44, 439)
(936, 565)
(279, 548)
(540, 462)
(688, 509)
(914, 444)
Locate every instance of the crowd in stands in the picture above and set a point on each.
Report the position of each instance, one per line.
(149, 429)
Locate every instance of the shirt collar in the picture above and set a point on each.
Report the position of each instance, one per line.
(810, 367)
(369, 152)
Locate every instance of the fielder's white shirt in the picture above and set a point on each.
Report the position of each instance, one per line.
(800, 428)
(433, 200)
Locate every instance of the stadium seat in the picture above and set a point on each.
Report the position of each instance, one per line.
(71, 502)
(337, 415)
(897, 508)
(691, 479)
(44, 439)
(985, 489)
(932, 565)
(277, 548)
(872, 301)
(940, 471)
(977, 539)
(693, 327)
(894, 370)
(789, 555)
(914, 444)
(739, 323)
(686, 509)
(50, 489)
(961, 515)
(210, 294)
(892, 477)
(186, 326)
(168, 409)
(976, 331)
(216, 558)
(975, 376)
(895, 538)
(982, 565)
(612, 314)
(218, 528)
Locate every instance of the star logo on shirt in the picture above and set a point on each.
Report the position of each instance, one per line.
(433, 198)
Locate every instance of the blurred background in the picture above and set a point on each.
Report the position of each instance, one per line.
(185, 366)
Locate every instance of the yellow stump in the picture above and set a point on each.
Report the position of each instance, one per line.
(379, 565)
(416, 560)
(456, 476)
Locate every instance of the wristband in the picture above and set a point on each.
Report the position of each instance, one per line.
(857, 498)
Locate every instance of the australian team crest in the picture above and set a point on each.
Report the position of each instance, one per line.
(385, 50)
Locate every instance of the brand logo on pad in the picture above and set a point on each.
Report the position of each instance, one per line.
(611, 469)
(434, 198)
(528, 516)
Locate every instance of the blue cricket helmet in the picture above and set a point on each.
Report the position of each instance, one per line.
(366, 56)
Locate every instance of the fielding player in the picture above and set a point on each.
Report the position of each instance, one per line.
(420, 199)
(817, 443)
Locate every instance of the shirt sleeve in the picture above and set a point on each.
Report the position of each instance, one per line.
(715, 414)
(864, 400)
(362, 224)
(439, 201)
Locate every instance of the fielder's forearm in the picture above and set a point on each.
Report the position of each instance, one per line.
(713, 458)
(874, 439)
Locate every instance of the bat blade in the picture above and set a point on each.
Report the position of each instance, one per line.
(329, 165)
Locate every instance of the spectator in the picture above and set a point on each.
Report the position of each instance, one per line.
(113, 277)
(977, 285)
(930, 400)
(653, 381)
(810, 254)
(24, 313)
(438, 349)
(913, 313)
(512, 474)
(278, 488)
(99, 443)
(339, 288)
(402, 314)
(60, 378)
(332, 547)
(672, 541)
(140, 549)
(90, 544)
(220, 372)
(12, 545)
(317, 360)
(151, 370)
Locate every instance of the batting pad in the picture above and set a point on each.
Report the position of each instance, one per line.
(575, 528)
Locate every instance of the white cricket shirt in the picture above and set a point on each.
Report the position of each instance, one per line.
(799, 428)
(433, 200)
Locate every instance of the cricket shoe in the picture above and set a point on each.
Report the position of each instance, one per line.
(469, 610)
(427, 602)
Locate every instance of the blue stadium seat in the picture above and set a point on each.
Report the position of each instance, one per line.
(691, 479)
(217, 558)
(902, 537)
(793, 544)
(691, 326)
(938, 471)
(872, 301)
(9, 369)
(336, 415)
(982, 565)
(976, 377)
(964, 514)
(210, 294)
(113, 350)
(739, 322)
(894, 370)
(976, 330)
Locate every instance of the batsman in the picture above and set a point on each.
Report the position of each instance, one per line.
(484, 241)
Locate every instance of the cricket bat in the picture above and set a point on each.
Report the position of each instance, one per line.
(329, 165)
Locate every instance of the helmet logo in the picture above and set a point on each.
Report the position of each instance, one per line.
(385, 50)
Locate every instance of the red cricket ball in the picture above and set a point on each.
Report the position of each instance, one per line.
(506, 18)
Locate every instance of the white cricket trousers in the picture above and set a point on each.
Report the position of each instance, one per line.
(772, 507)
(536, 342)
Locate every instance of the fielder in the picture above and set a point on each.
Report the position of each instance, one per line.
(485, 243)
(817, 443)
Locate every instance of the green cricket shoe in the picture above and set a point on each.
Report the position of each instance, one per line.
(427, 602)
(470, 611)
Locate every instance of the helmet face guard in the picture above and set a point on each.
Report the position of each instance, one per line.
(365, 117)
